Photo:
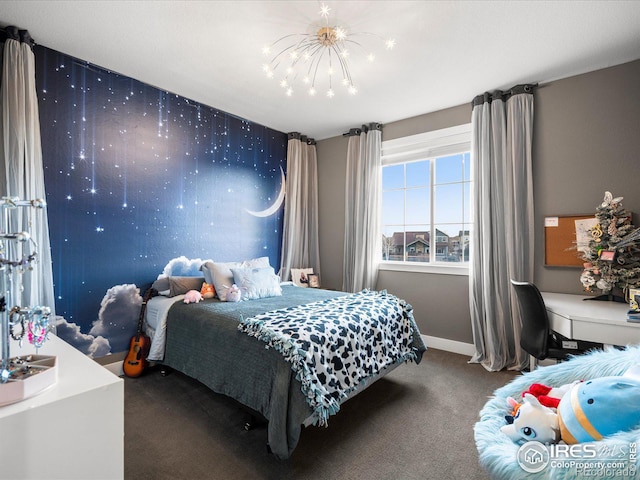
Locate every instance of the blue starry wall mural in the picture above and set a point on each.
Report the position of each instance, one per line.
(137, 179)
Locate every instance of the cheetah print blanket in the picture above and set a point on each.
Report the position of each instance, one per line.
(333, 345)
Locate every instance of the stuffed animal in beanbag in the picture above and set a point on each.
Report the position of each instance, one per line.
(207, 290)
(233, 294)
(588, 412)
(596, 408)
(549, 396)
(192, 296)
(533, 421)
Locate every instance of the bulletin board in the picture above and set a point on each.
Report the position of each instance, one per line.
(560, 241)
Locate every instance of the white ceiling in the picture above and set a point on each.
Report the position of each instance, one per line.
(446, 52)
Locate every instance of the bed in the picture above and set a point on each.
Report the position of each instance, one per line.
(203, 340)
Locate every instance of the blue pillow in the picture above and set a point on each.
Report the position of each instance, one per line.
(257, 282)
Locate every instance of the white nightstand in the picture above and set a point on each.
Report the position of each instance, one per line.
(72, 430)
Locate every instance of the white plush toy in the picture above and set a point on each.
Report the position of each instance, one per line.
(233, 294)
(533, 421)
(192, 296)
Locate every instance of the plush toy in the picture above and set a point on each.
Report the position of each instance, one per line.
(233, 294)
(587, 412)
(599, 407)
(533, 421)
(207, 290)
(549, 396)
(192, 296)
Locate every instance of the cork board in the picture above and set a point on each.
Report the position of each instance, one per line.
(560, 241)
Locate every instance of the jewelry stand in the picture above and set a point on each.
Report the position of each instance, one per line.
(21, 377)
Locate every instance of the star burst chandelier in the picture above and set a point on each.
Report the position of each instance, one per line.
(308, 57)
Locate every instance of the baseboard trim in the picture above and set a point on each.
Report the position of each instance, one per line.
(449, 345)
(445, 344)
(115, 368)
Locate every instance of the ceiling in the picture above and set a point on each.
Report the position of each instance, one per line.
(446, 51)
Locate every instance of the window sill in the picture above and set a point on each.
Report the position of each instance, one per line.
(437, 268)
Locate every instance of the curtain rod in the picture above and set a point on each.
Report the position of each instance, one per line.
(302, 138)
(364, 128)
(15, 33)
(503, 94)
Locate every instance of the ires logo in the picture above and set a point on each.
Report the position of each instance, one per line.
(533, 456)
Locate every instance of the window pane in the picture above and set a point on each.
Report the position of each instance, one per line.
(450, 240)
(392, 177)
(448, 203)
(393, 244)
(418, 174)
(467, 166)
(449, 169)
(418, 206)
(467, 202)
(389, 240)
(393, 207)
(468, 230)
(417, 244)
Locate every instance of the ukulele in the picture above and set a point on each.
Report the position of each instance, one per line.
(136, 360)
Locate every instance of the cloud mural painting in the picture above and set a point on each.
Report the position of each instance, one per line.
(91, 346)
(183, 267)
(118, 316)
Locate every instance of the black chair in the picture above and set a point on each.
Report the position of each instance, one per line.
(536, 337)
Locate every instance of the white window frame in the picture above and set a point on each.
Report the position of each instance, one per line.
(423, 146)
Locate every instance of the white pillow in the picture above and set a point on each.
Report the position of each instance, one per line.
(221, 277)
(299, 276)
(257, 282)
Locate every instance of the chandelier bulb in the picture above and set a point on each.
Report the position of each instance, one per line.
(390, 43)
(289, 91)
(324, 11)
(371, 57)
(330, 93)
(312, 91)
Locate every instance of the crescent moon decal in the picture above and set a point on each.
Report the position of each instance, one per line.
(276, 205)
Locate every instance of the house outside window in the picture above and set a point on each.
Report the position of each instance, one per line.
(426, 193)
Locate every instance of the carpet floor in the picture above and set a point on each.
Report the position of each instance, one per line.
(416, 423)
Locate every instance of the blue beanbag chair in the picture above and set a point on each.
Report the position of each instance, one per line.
(498, 454)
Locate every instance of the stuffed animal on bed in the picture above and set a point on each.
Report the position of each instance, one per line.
(192, 296)
(587, 412)
(233, 294)
(207, 290)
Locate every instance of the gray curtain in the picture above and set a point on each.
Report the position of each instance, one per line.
(300, 230)
(22, 173)
(502, 238)
(362, 235)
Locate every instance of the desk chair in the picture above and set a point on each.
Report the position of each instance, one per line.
(536, 336)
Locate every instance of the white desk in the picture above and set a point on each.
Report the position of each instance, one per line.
(72, 430)
(591, 320)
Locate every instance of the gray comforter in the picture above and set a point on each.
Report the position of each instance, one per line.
(203, 342)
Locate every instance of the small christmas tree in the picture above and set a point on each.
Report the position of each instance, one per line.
(612, 258)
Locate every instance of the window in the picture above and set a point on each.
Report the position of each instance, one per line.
(426, 190)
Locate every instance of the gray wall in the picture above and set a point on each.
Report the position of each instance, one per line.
(586, 141)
